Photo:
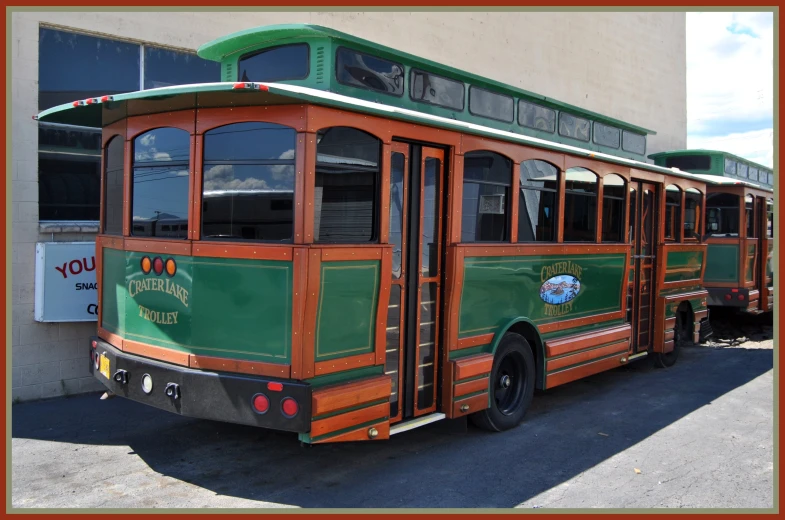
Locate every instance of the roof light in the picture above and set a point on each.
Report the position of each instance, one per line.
(76, 103)
(104, 99)
(90, 101)
(240, 85)
(264, 88)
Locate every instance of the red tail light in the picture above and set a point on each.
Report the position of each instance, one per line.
(289, 407)
(158, 265)
(728, 297)
(261, 403)
(741, 297)
(275, 387)
(94, 343)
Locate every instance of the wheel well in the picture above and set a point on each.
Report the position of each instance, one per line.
(531, 335)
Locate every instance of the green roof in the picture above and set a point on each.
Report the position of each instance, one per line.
(700, 151)
(233, 44)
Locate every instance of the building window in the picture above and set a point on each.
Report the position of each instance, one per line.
(539, 193)
(672, 213)
(635, 143)
(491, 105)
(692, 214)
(113, 186)
(347, 183)
(248, 187)
(536, 117)
(165, 67)
(580, 206)
(606, 135)
(750, 214)
(574, 127)
(614, 188)
(486, 185)
(369, 72)
(74, 66)
(435, 90)
(159, 196)
(722, 214)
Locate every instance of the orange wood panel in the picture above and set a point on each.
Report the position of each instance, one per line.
(470, 387)
(581, 357)
(474, 404)
(557, 347)
(308, 182)
(256, 251)
(197, 183)
(384, 217)
(513, 151)
(668, 335)
(182, 119)
(382, 303)
(299, 283)
(349, 253)
(571, 374)
(699, 315)
(127, 188)
(257, 368)
(670, 323)
(455, 200)
(163, 354)
(667, 346)
(474, 250)
(115, 340)
(158, 246)
(311, 309)
(555, 158)
(646, 176)
(346, 363)
(337, 397)
(111, 241)
(349, 419)
(597, 166)
(473, 366)
(361, 434)
(300, 168)
(475, 341)
(578, 322)
(292, 116)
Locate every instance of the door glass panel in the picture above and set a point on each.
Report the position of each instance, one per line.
(396, 212)
(430, 222)
(646, 229)
(393, 356)
(426, 346)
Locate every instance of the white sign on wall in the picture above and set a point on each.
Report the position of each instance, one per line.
(65, 281)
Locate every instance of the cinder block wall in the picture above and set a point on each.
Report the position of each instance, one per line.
(631, 66)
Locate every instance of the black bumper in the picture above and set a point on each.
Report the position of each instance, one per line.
(205, 395)
(717, 297)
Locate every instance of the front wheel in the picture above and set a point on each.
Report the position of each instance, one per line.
(511, 385)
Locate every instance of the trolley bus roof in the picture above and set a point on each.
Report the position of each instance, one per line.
(105, 110)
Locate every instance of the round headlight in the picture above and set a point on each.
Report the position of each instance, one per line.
(147, 383)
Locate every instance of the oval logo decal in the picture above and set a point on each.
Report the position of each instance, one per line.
(560, 289)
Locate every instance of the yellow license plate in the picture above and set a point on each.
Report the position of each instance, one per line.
(104, 366)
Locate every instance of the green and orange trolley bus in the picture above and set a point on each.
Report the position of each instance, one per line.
(739, 227)
(346, 241)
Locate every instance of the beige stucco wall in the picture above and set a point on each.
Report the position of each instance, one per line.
(631, 66)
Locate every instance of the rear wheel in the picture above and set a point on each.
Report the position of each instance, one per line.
(511, 385)
(682, 335)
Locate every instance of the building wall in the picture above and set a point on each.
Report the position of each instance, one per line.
(630, 66)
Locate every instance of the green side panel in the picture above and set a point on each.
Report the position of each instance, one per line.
(347, 309)
(722, 263)
(113, 291)
(683, 265)
(750, 263)
(239, 309)
(498, 289)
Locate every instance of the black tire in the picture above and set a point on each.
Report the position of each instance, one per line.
(681, 336)
(511, 385)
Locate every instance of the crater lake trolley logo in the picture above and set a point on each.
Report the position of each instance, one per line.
(558, 290)
(158, 284)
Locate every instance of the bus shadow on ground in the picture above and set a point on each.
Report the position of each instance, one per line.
(424, 468)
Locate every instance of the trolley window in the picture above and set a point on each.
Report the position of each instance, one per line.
(750, 216)
(161, 175)
(486, 184)
(113, 186)
(536, 117)
(574, 127)
(539, 193)
(722, 214)
(248, 187)
(369, 72)
(580, 206)
(607, 135)
(689, 162)
(276, 64)
(632, 142)
(435, 90)
(692, 214)
(491, 105)
(672, 213)
(614, 188)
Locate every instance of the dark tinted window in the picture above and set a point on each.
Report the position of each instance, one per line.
(397, 166)
(749, 208)
(537, 117)
(575, 127)
(722, 214)
(366, 71)
(770, 218)
(164, 68)
(606, 135)
(69, 172)
(613, 190)
(692, 213)
(113, 184)
(248, 188)
(490, 105)
(287, 62)
(689, 162)
(537, 202)
(75, 66)
(635, 143)
(741, 171)
(435, 90)
(160, 183)
(580, 206)
(672, 213)
(347, 180)
(486, 183)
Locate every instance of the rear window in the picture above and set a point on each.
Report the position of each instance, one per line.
(276, 64)
(689, 162)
